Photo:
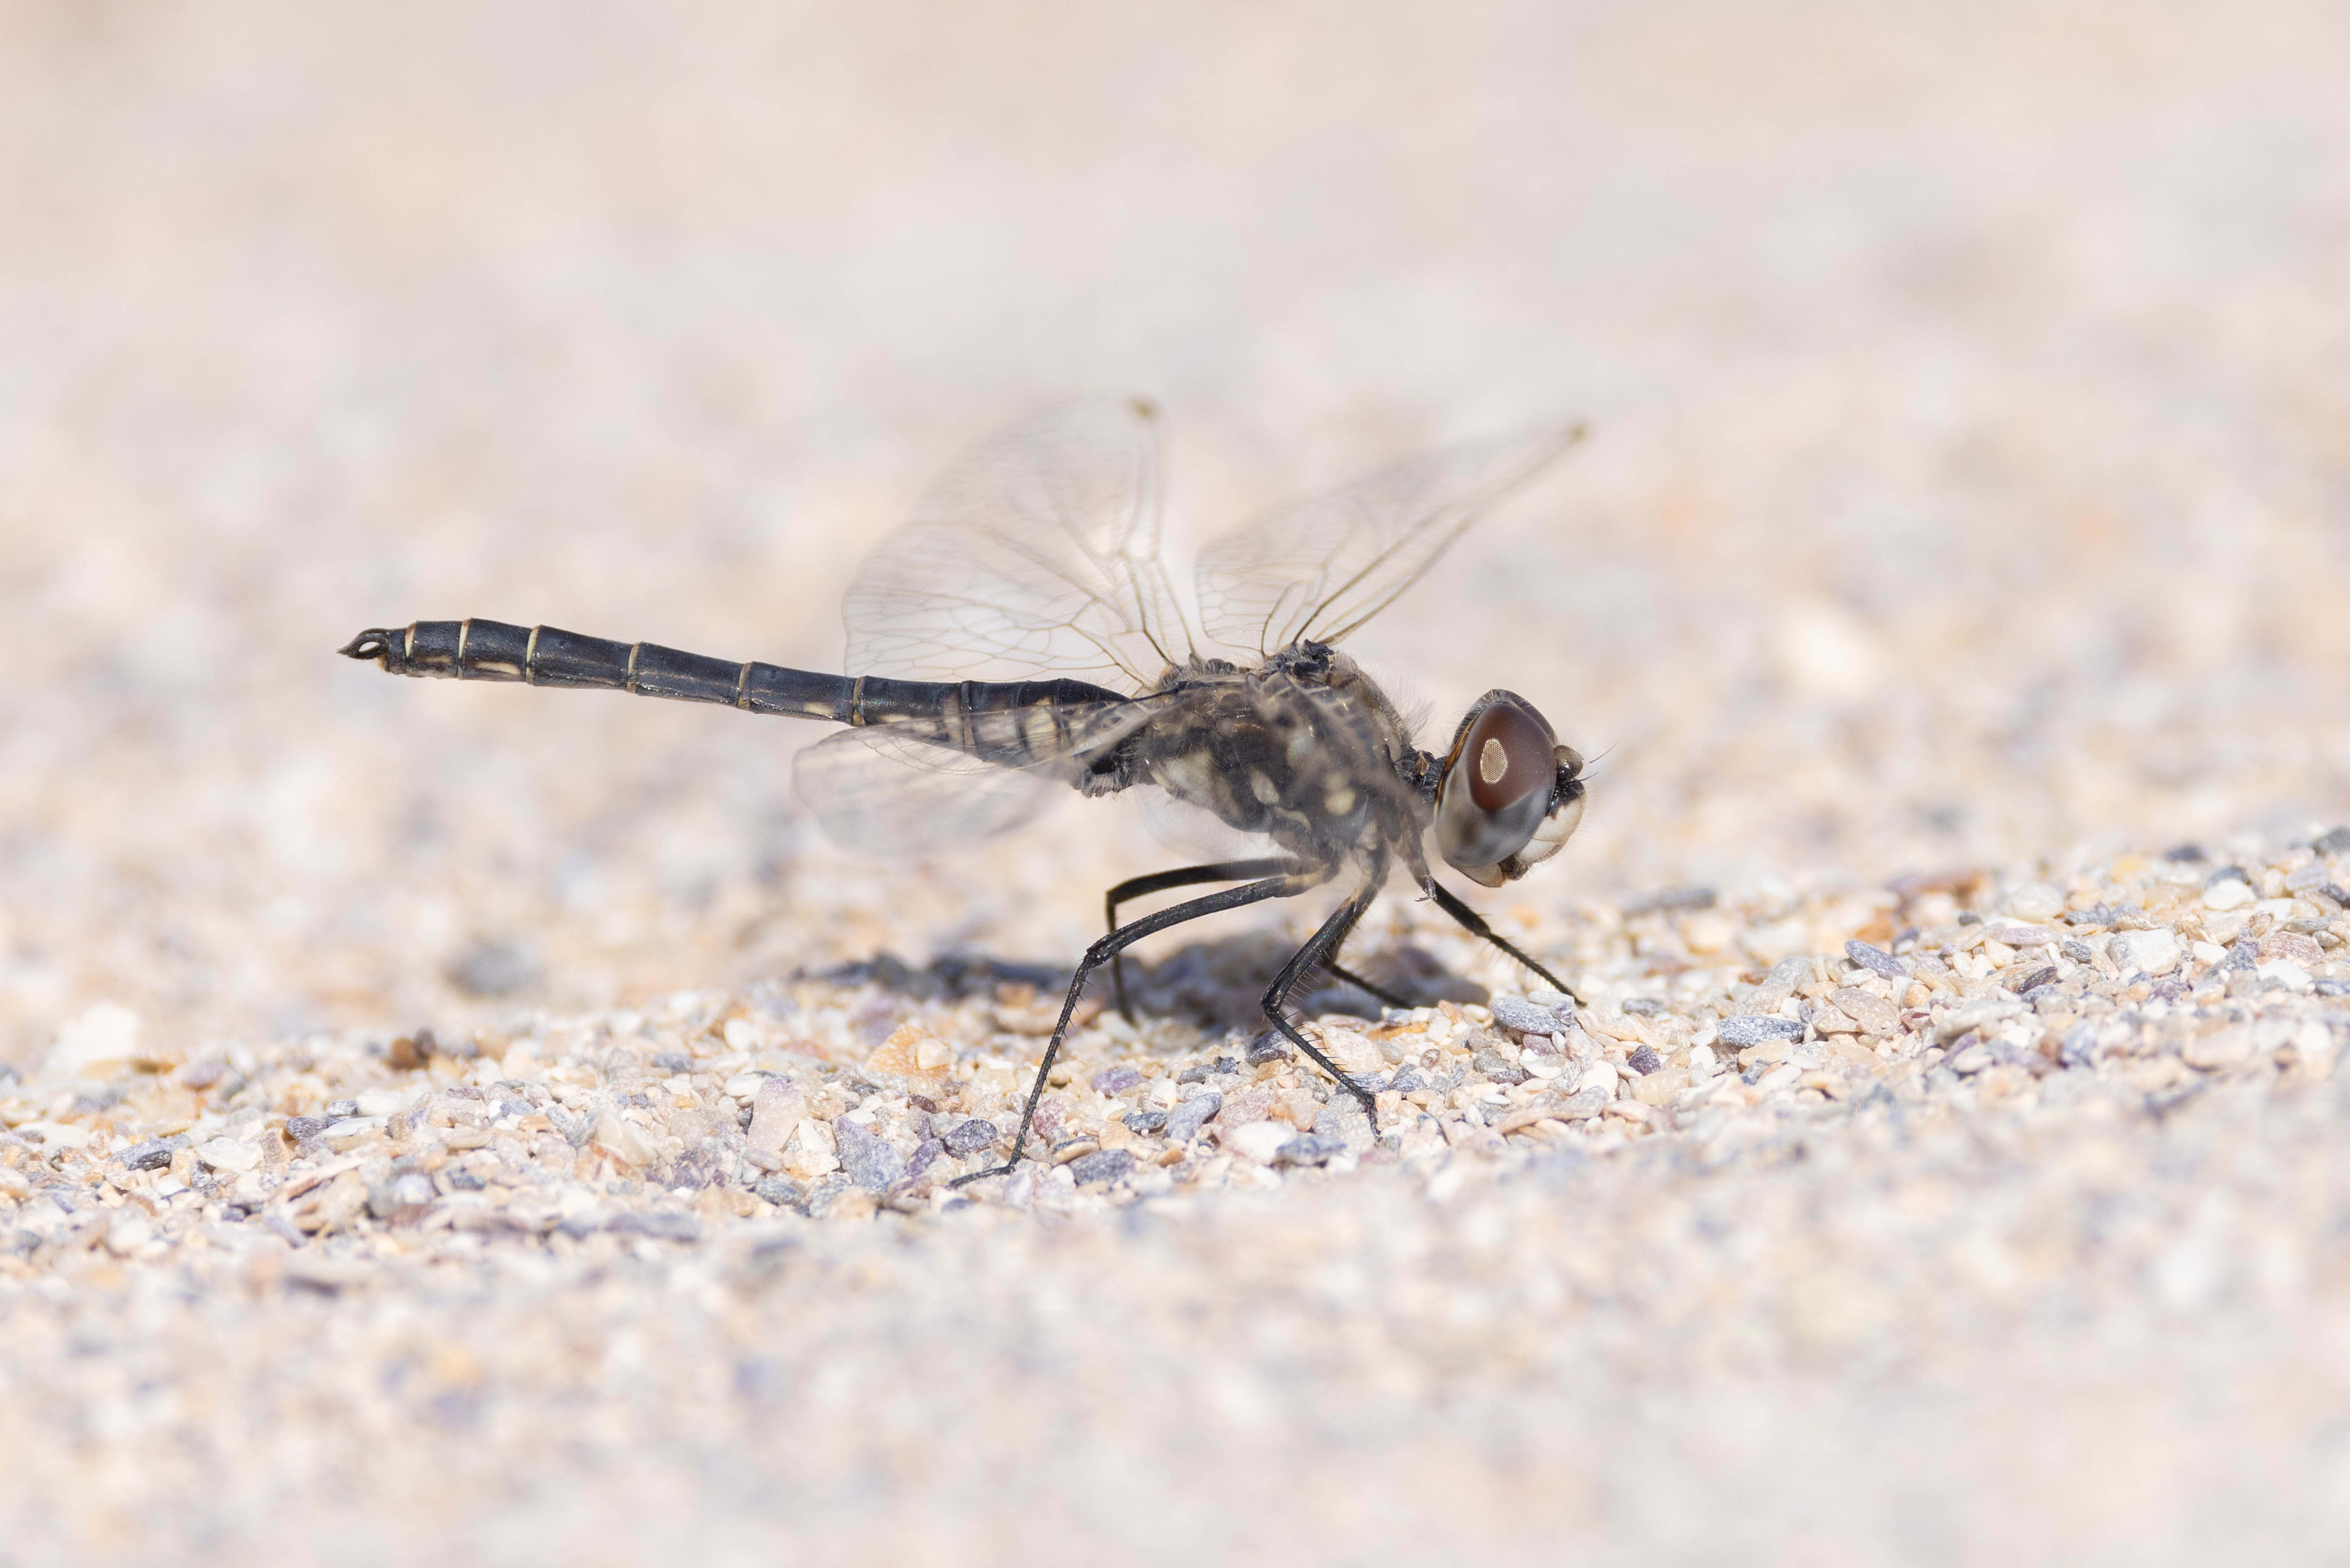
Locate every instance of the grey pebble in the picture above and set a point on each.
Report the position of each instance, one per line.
(2334, 844)
(782, 1192)
(466, 1181)
(869, 1160)
(1406, 1080)
(1875, 960)
(1645, 1060)
(341, 1110)
(301, 1130)
(1144, 1122)
(1644, 1006)
(1268, 1046)
(664, 1225)
(2036, 980)
(155, 1153)
(1583, 1106)
(969, 1138)
(2078, 951)
(1184, 1122)
(929, 1149)
(674, 1062)
(1310, 1148)
(1522, 1017)
(1497, 1068)
(2244, 955)
(1103, 1165)
(1754, 1031)
(1116, 1080)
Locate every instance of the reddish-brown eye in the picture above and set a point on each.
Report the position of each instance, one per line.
(1507, 756)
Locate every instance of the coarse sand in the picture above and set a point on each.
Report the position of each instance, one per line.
(469, 1124)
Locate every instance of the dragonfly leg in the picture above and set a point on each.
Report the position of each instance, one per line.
(1474, 924)
(1330, 963)
(1318, 950)
(1182, 876)
(1377, 993)
(1101, 952)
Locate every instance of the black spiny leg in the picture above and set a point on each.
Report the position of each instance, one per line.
(1317, 951)
(1182, 876)
(1102, 951)
(1330, 963)
(1474, 924)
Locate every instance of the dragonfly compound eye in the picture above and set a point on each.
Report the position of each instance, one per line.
(1501, 783)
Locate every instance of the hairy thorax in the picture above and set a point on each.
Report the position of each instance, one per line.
(1305, 751)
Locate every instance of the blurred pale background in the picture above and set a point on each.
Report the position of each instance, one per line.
(1970, 388)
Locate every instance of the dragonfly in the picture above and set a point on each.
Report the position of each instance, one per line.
(1020, 638)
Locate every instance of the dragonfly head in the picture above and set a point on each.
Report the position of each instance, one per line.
(1510, 794)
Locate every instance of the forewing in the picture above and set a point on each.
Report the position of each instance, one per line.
(1321, 569)
(1035, 554)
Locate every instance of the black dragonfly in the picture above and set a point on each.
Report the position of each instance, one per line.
(1020, 637)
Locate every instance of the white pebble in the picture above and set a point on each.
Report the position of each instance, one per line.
(2150, 952)
(2231, 894)
(228, 1154)
(1598, 1076)
(2036, 901)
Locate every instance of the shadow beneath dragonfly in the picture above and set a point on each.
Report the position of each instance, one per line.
(1215, 985)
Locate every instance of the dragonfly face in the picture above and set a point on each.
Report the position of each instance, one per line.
(1510, 796)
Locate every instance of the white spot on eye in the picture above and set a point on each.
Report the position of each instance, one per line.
(1492, 761)
(1339, 801)
(1266, 792)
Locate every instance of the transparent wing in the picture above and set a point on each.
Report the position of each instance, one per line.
(871, 801)
(1321, 569)
(1037, 553)
(912, 787)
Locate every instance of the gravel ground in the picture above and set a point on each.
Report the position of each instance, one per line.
(471, 1124)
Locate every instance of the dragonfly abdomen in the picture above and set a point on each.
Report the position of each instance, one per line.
(979, 716)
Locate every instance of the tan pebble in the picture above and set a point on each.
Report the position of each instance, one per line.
(1872, 1012)
(2220, 1049)
(1707, 933)
(2292, 947)
(1352, 1051)
(1828, 1019)
(1661, 1087)
(897, 1062)
(775, 1114)
(618, 1138)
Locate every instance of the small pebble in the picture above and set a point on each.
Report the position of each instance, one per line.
(1184, 1122)
(1144, 1122)
(1877, 961)
(1116, 1080)
(1497, 1068)
(967, 1138)
(1309, 1148)
(1645, 1060)
(1522, 1017)
(782, 1192)
(1269, 1047)
(665, 1225)
(871, 1162)
(1746, 1031)
(1103, 1165)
